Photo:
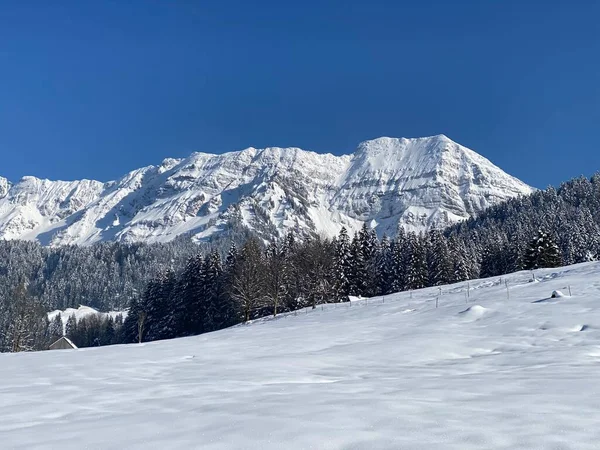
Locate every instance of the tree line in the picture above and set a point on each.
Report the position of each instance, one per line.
(180, 291)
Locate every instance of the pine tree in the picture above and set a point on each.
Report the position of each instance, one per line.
(215, 310)
(71, 327)
(131, 324)
(551, 255)
(342, 266)
(417, 271)
(56, 328)
(401, 260)
(385, 265)
(193, 296)
(542, 252)
(109, 331)
(440, 266)
(358, 268)
(371, 253)
(459, 259)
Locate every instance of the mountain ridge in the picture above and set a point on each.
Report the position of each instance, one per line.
(417, 183)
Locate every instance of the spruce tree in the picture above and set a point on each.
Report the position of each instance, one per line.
(542, 252)
(385, 266)
(440, 266)
(358, 268)
(342, 266)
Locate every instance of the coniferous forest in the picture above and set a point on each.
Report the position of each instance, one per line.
(181, 289)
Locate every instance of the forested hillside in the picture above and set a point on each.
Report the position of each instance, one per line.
(545, 229)
(179, 289)
(520, 233)
(103, 276)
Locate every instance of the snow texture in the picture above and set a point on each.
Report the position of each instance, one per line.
(485, 369)
(80, 313)
(418, 183)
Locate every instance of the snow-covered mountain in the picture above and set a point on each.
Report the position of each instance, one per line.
(417, 183)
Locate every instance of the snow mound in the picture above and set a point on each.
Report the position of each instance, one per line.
(557, 294)
(474, 312)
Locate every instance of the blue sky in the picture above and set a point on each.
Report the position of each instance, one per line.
(95, 89)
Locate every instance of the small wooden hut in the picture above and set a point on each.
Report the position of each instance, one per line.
(63, 343)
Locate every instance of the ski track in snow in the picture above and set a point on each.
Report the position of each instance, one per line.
(495, 373)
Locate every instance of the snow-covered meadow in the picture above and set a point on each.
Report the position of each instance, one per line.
(82, 312)
(493, 373)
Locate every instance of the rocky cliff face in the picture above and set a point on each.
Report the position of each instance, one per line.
(416, 183)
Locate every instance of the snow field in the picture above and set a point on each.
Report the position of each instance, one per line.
(492, 371)
(81, 312)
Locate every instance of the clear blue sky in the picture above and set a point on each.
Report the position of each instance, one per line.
(96, 88)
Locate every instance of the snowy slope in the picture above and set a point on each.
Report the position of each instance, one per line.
(496, 373)
(82, 312)
(418, 183)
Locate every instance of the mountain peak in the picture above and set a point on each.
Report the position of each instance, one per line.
(395, 155)
(403, 143)
(440, 137)
(416, 183)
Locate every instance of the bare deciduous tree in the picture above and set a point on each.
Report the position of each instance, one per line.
(276, 266)
(27, 322)
(247, 288)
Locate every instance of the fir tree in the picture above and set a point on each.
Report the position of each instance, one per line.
(385, 263)
(542, 252)
(342, 266)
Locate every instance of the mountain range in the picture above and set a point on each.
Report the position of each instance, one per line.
(416, 183)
